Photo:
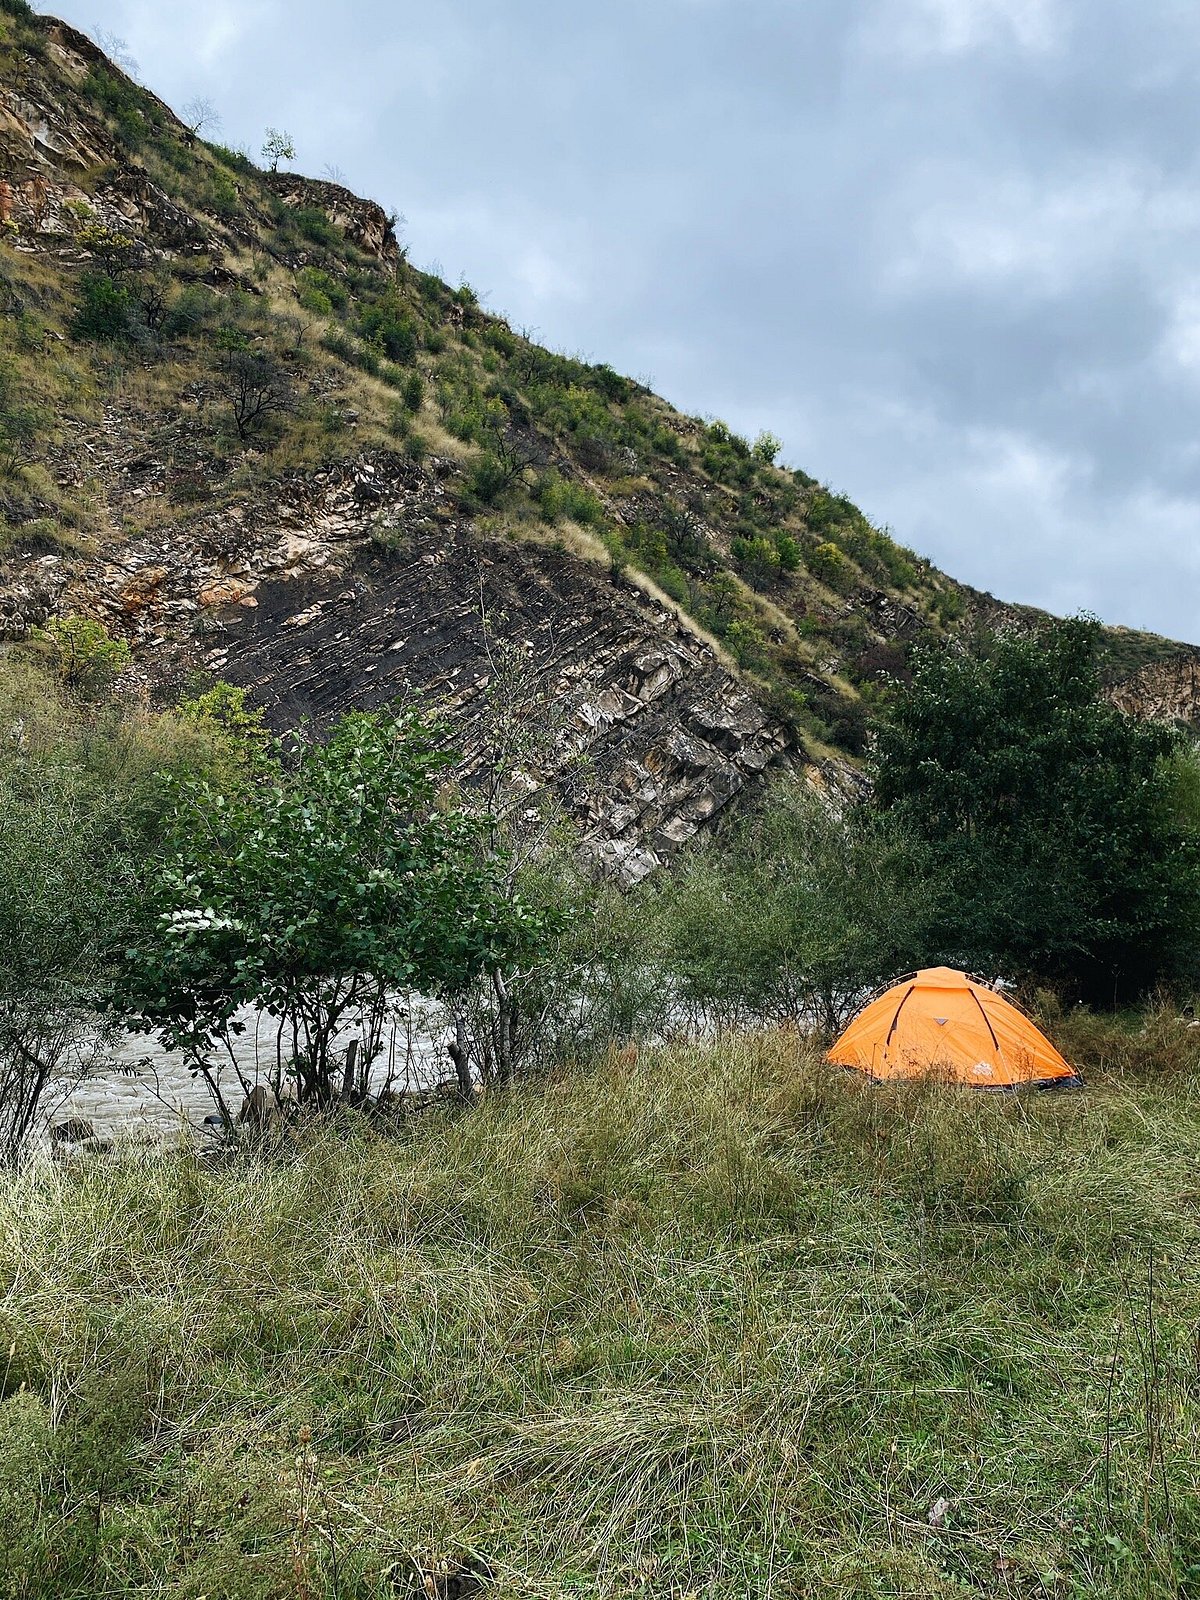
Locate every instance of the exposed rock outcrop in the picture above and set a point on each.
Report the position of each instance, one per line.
(1167, 691)
(362, 221)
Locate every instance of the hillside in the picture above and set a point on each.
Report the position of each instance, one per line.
(242, 430)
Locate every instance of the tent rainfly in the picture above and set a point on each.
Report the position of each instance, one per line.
(940, 1024)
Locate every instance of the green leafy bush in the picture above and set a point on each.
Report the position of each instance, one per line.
(106, 310)
(315, 226)
(326, 284)
(563, 500)
(318, 891)
(386, 326)
(831, 565)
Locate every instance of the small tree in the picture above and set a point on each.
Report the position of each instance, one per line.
(277, 147)
(807, 905)
(200, 114)
(319, 894)
(767, 447)
(256, 387)
(85, 655)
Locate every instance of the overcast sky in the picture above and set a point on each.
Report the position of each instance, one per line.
(948, 250)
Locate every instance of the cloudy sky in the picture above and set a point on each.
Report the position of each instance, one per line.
(948, 250)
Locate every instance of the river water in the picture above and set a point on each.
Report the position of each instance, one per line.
(140, 1093)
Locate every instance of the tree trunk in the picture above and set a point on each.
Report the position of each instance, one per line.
(348, 1083)
(460, 1054)
(506, 1028)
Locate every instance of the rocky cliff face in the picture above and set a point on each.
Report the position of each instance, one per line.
(1164, 691)
(364, 223)
(427, 483)
(361, 585)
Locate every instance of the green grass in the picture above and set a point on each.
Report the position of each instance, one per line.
(714, 1322)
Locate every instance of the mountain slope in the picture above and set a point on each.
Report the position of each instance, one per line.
(241, 429)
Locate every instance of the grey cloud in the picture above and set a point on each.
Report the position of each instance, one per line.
(946, 248)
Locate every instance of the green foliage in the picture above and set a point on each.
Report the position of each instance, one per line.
(487, 480)
(80, 812)
(236, 736)
(794, 915)
(412, 391)
(827, 562)
(277, 147)
(328, 291)
(385, 325)
(122, 101)
(726, 456)
(85, 657)
(115, 252)
(317, 892)
(767, 447)
(106, 310)
(563, 500)
(221, 197)
(1055, 817)
(788, 550)
(194, 310)
(312, 224)
(759, 558)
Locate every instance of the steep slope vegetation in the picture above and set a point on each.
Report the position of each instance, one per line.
(240, 428)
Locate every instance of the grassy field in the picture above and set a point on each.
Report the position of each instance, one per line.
(714, 1321)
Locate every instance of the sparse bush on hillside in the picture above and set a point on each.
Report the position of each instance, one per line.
(106, 310)
(767, 447)
(831, 565)
(255, 387)
(85, 657)
(386, 325)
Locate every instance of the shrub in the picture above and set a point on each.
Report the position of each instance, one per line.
(384, 325)
(831, 565)
(106, 310)
(314, 225)
(19, 421)
(1055, 817)
(788, 550)
(322, 285)
(196, 308)
(412, 391)
(487, 480)
(759, 557)
(315, 300)
(86, 657)
(748, 644)
(767, 447)
(221, 196)
(561, 499)
(318, 893)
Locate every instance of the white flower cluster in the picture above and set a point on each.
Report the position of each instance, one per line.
(195, 921)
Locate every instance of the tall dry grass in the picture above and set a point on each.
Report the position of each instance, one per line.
(712, 1321)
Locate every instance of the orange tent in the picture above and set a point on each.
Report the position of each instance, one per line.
(941, 1024)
